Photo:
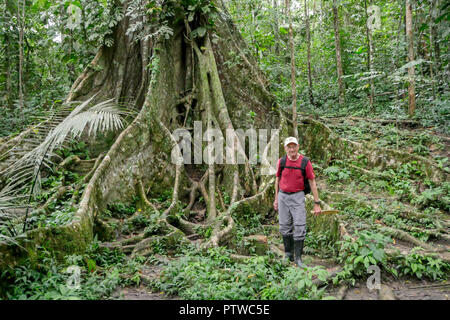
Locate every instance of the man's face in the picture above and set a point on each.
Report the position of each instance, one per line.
(291, 149)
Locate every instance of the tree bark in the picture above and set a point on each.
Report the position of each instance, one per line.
(410, 40)
(276, 27)
(152, 75)
(369, 59)
(8, 85)
(21, 20)
(293, 70)
(432, 60)
(337, 42)
(308, 52)
(435, 43)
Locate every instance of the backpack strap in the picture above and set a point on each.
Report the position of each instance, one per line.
(282, 164)
(302, 167)
(305, 161)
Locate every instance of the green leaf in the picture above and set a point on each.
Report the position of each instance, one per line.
(378, 254)
(358, 259)
(63, 289)
(301, 284)
(283, 30)
(366, 262)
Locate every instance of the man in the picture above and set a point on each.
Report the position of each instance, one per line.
(290, 200)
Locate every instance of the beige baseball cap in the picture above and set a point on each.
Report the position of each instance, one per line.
(290, 140)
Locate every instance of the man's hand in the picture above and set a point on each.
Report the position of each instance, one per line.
(317, 209)
(275, 204)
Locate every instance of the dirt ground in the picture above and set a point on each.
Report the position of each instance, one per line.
(412, 289)
(402, 289)
(139, 293)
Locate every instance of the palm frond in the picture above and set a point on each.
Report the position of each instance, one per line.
(24, 171)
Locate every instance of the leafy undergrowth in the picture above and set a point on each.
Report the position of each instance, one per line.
(380, 208)
(422, 142)
(101, 271)
(45, 210)
(369, 249)
(213, 275)
(371, 204)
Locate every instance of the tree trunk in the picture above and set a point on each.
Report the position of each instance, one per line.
(421, 43)
(8, 85)
(21, 20)
(434, 32)
(293, 70)
(432, 60)
(70, 65)
(337, 42)
(184, 74)
(369, 59)
(308, 52)
(409, 34)
(276, 27)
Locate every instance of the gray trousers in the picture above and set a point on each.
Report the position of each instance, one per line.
(292, 214)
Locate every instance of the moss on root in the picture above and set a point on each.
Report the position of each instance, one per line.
(61, 240)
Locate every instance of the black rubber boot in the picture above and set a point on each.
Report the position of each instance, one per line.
(288, 242)
(298, 249)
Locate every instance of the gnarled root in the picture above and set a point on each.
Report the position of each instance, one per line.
(220, 235)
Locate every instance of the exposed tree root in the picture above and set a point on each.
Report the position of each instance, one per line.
(402, 235)
(393, 253)
(60, 193)
(214, 98)
(195, 186)
(140, 156)
(89, 175)
(407, 213)
(443, 285)
(76, 194)
(178, 168)
(379, 121)
(277, 251)
(190, 228)
(371, 174)
(321, 142)
(143, 197)
(220, 235)
(75, 164)
(239, 258)
(222, 203)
